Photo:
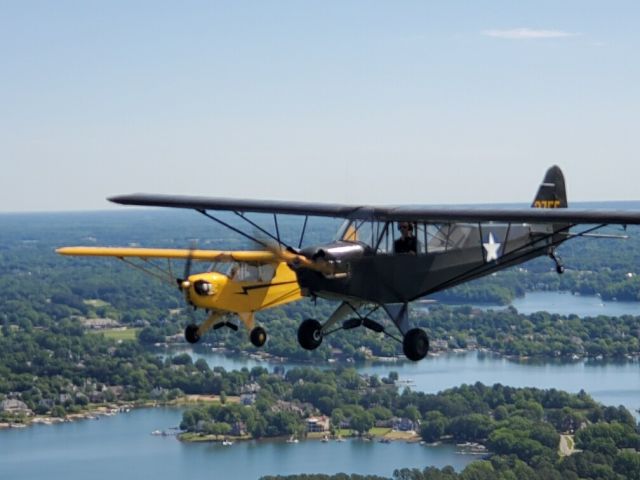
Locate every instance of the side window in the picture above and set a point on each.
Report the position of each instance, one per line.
(437, 235)
(266, 272)
(244, 272)
(421, 235)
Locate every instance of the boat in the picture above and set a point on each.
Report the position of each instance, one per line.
(292, 439)
(227, 443)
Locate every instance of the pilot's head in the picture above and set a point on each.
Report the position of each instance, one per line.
(405, 228)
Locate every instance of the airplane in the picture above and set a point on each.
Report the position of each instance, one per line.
(385, 257)
(240, 283)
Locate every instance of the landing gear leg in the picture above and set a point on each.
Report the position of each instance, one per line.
(311, 332)
(559, 265)
(415, 342)
(193, 333)
(257, 334)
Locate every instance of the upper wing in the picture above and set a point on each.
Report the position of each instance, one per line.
(239, 205)
(389, 213)
(181, 254)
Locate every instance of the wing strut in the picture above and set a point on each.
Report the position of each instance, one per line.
(304, 229)
(160, 276)
(234, 229)
(262, 230)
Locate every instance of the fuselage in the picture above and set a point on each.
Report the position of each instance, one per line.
(447, 255)
(247, 289)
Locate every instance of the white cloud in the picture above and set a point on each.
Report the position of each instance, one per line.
(527, 33)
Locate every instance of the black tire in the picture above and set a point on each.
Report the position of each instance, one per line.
(191, 333)
(310, 334)
(415, 344)
(258, 336)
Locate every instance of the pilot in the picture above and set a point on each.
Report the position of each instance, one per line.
(407, 243)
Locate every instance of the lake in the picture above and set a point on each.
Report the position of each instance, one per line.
(121, 446)
(565, 303)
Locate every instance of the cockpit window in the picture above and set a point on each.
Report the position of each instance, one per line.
(245, 272)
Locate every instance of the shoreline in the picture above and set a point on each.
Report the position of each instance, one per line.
(324, 437)
(269, 358)
(108, 410)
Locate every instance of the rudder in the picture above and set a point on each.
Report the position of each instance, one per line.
(552, 192)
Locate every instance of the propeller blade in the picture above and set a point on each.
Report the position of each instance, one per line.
(183, 283)
(296, 260)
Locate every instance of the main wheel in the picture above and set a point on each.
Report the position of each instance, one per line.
(310, 334)
(258, 336)
(415, 344)
(191, 333)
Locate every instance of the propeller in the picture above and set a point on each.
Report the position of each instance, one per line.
(183, 283)
(296, 260)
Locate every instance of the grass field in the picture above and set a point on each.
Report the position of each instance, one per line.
(96, 303)
(124, 334)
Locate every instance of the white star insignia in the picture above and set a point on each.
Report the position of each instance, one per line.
(491, 247)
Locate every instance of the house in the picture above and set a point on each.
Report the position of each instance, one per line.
(439, 344)
(238, 429)
(250, 388)
(404, 424)
(15, 407)
(318, 424)
(284, 406)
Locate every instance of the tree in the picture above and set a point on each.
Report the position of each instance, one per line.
(481, 470)
(58, 411)
(362, 422)
(627, 464)
(202, 365)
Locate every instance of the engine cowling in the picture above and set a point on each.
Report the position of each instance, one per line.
(336, 256)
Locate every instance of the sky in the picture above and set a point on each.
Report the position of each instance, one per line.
(364, 102)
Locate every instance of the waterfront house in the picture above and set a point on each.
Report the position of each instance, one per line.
(15, 407)
(318, 424)
(238, 429)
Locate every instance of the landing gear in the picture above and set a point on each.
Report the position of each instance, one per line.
(310, 334)
(191, 334)
(258, 336)
(415, 344)
(559, 266)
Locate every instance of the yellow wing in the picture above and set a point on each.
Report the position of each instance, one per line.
(249, 256)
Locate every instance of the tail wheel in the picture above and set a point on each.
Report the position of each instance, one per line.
(415, 344)
(258, 336)
(191, 334)
(310, 334)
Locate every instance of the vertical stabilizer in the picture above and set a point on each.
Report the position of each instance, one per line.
(552, 192)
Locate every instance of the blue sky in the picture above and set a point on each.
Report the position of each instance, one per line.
(340, 101)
